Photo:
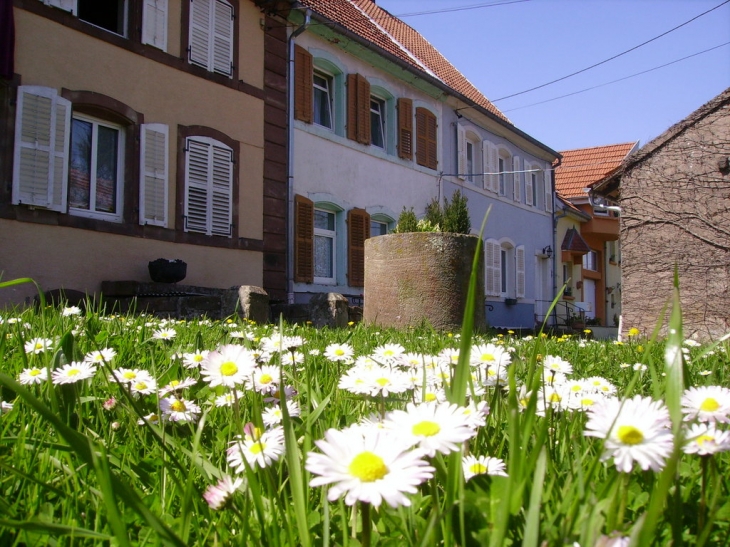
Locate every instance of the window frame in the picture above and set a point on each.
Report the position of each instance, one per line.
(330, 80)
(329, 234)
(382, 115)
(186, 39)
(118, 215)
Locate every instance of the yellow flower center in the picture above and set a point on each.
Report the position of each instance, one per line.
(339, 352)
(229, 368)
(178, 406)
(702, 439)
(197, 358)
(575, 388)
(628, 434)
(140, 386)
(555, 398)
(129, 375)
(73, 372)
(382, 382)
(266, 379)
(478, 468)
(487, 357)
(426, 428)
(174, 383)
(430, 397)
(257, 447)
(368, 467)
(586, 402)
(35, 372)
(38, 345)
(709, 405)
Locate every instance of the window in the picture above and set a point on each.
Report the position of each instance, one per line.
(378, 228)
(208, 206)
(322, 99)
(96, 169)
(210, 39)
(109, 15)
(505, 175)
(590, 261)
(492, 268)
(470, 161)
(325, 245)
(534, 188)
(531, 184)
(502, 176)
(517, 178)
(377, 122)
(426, 139)
(405, 128)
(490, 155)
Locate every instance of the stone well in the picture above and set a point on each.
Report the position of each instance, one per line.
(421, 276)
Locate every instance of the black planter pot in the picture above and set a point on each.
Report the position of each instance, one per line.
(167, 271)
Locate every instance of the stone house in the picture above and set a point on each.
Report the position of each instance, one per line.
(674, 195)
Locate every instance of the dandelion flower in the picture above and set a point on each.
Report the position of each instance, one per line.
(217, 495)
(228, 366)
(339, 352)
(72, 373)
(707, 404)
(179, 410)
(433, 427)
(636, 430)
(33, 375)
(38, 345)
(257, 449)
(367, 464)
(705, 439)
(482, 465)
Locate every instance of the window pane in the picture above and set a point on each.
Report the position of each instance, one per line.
(377, 123)
(79, 176)
(324, 220)
(322, 101)
(323, 263)
(108, 15)
(504, 270)
(378, 228)
(106, 169)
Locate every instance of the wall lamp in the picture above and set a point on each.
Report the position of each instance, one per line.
(547, 251)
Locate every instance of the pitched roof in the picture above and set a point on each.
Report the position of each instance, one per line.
(574, 243)
(582, 167)
(371, 22)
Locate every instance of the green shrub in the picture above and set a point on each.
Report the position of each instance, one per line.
(452, 217)
(456, 214)
(407, 222)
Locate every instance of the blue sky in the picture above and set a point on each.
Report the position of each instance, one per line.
(508, 48)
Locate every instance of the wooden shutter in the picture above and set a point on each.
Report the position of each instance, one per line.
(426, 141)
(358, 108)
(222, 38)
(547, 184)
(66, 5)
(461, 145)
(358, 230)
(529, 191)
(221, 191)
(493, 267)
(197, 172)
(520, 271)
(154, 23)
(303, 71)
(153, 179)
(200, 33)
(41, 155)
(489, 152)
(208, 187)
(517, 177)
(405, 128)
(352, 113)
(303, 239)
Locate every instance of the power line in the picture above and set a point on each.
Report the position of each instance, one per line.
(615, 81)
(610, 58)
(460, 8)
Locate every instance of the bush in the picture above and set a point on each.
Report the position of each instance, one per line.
(407, 222)
(452, 217)
(456, 214)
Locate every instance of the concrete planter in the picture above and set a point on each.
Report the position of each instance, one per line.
(421, 277)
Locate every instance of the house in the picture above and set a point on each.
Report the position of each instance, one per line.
(381, 121)
(588, 236)
(674, 195)
(133, 130)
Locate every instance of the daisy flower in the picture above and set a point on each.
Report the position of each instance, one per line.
(384, 381)
(482, 465)
(273, 344)
(388, 354)
(128, 376)
(339, 352)
(489, 355)
(151, 418)
(145, 386)
(707, 404)
(556, 364)
(193, 359)
(5, 407)
(176, 385)
(33, 375)
(636, 430)
(265, 379)
(71, 310)
(367, 464)
(72, 373)
(705, 439)
(38, 345)
(433, 427)
(257, 449)
(179, 410)
(291, 358)
(164, 334)
(476, 414)
(100, 356)
(227, 399)
(217, 495)
(273, 416)
(430, 395)
(228, 366)
(355, 380)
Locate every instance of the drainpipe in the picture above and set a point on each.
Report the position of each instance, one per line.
(555, 228)
(290, 167)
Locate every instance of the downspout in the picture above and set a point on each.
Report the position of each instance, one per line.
(290, 158)
(555, 228)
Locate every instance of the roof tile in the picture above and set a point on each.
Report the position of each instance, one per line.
(584, 166)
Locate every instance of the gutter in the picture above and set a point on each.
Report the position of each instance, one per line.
(555, 226)
(290, 156)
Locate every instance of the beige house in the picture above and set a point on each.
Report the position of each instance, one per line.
(674, 195)
(134, 130)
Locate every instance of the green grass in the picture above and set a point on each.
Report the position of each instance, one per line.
(75, 472)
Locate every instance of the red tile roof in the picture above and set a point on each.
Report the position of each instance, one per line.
(584, 166)
(371, 22)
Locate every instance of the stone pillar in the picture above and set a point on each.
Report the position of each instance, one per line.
(329, 309)
(254, 303)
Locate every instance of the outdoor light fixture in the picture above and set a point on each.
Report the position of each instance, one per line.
(547, 251)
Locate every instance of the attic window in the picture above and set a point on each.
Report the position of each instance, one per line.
(108, 14)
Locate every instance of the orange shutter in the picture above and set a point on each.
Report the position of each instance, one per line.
(405, 129)
(303, 109)
(352, 107)
(303, 239)
(363, 110)
(426, 150)
(358, 230)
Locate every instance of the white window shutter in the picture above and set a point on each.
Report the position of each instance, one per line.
(200, 32)
(221, 195)
(547, 185)
(41, 154)
(65, 5)
(517, 178)
(489, 152)
(493, 268)
(154, 169)
(197, 174)
(528, 185)
(222, 45)
(154, 23)
(520, 271)
(461, 138)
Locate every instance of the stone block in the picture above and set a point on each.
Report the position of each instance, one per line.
(329, 310)
(254, 303)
